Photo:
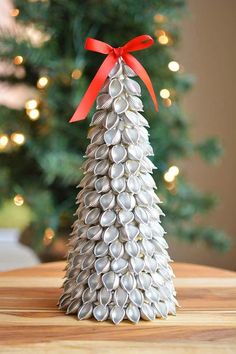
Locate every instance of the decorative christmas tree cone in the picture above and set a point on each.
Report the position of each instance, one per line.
(118, 267)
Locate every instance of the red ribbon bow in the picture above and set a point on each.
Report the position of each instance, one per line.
(113, 54)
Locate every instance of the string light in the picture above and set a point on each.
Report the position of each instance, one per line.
(167, 102)
(48, 236)
(18, 138)
(173, 66)
(18, 200)
(18, 60)
(174, 170)
(15, 12)
(162, 37)
(171, 174)
(31, 104)
(164, 93)
(159, 18)
(42, 82)
(33, 114)
(76, 74)
(3, 141)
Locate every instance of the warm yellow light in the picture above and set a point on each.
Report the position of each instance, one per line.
(18, 200)
(76, 74)
(163, 39)
(48, 235)
(18, 138)
(173, 66)
(31, 104)
(168, 177)
(174, 170)
(18, 60)
(15, 12)
(164, 93)
(33, 114)
(167, 102)
(3, 141)
(160, 18)
(42, 82)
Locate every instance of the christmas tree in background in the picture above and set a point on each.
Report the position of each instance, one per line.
(41, 154)
(118, 263)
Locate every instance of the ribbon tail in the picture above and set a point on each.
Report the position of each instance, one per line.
(94, 89)
(141, 72)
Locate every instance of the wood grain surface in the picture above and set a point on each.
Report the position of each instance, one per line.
(31, 323)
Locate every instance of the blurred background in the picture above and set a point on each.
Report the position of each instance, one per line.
(44, 72)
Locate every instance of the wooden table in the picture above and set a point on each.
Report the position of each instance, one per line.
(31, 323)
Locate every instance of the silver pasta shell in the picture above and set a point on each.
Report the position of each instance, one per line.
(118, 184)
(115, 88)
(116, 249)
(118, 154)
(145, 231)
(88, 261)
(144, 198)
(101, 312)
(161, 309)
(90, 151)
(108, 218)
(85, 311)
(102, 184)
(111, 120)
(130, 136)
(132, 87)
(83, 276)
(134, 184)
(147, 312)
(98, 117)
(132, 117)
(144, 281)
(120, 297)
(107, 201)
(141, 215)
(142, 121)
(104, 101)
(133, 313)
(104, 296)
(91, 199)
(120, 105)
(128, 71)
(94, 232)
(105, 86)
(152, 295)
(116, 70)
(102, 265)
(135, 103)
(101, 249)
(136, 296)
(94, 282)
(98, 137)
(119, 265)
(112, 136)
(126, 201)
(110, 235)
(101, 167)
(150, 264)
(101, 152)
(116, 170)
(110, 280)
(73, 307)
(137, 265)
(135, 152)
(128, 282)
(89, 296)
(132, 248)
(125, 217)
(92, 216)
(131, 166)
(117, 314)
(131, 231)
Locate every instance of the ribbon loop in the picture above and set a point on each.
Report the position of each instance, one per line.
(113, 54)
